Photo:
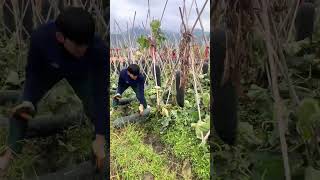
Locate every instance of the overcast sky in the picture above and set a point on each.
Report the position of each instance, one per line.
(123, 12)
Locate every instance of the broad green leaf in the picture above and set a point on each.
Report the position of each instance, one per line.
(174, 113)
(201, 127)
(309, 58)
(273, 136)
(156, 32)
(306, 110)
(165, 122)
(155, 25)
(194, 114)
(206, 99)
(246, 131)
(267, 166)
(294, 47)
(143, 42)
(311, 173)
(315, 119)
(256, 92)
(13, 78)
(114, 86)
(187, 104)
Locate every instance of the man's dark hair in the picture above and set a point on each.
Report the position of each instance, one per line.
(134, 69)
(76, 24)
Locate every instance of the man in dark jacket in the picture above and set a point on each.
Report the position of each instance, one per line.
(131, 77)
(69, 49)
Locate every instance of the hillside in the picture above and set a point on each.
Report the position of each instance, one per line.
(173, 37)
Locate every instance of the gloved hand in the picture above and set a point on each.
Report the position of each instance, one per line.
(99, 151)
(141, 109)
(117, 96)
(5, 161)
(116, 99)
(25, 111)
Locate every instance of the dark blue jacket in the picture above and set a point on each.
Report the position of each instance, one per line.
(138, 85)
(49, 62)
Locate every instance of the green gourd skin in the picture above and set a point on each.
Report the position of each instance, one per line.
(224, 100)
(180, 91)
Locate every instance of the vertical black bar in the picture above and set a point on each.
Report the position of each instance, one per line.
(211, 89)
(106, 13)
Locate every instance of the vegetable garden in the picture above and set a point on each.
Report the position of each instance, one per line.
(60, 136)
(171, 141)
(273, 45)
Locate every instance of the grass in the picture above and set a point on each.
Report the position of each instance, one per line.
(186, 147)
(135, 158)
(48, 154)
(43, 155)
(131, 157)
(182, 142)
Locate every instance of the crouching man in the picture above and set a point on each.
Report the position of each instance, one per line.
(69, 49)
(131, 77)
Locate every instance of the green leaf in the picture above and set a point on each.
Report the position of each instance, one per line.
(247, 132)
(13, 78)
(165, 122)
(309, 58)
(306, 110)
(174, 113)
(267, 166)
(273, 137)
(187, 104)
(256, 92)
(201, 127)
(315, 119)
(194, 115)
(156, 32)
(206, 99)
(294, 47)
(311, 173)
(143, 42)
(155, 25)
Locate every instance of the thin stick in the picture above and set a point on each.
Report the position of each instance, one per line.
(195, 86)
(149, 16)
(283, 63)
(278, 103)
(134, 18)
(292, 22)
(122, 34)
(206, 41)
(204, 36)
(163, 11)
(190, 9)
(185, 13)
(144, 27)
(199, 15)
(182, 20)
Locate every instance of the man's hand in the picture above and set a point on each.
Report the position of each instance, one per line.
(117, 96)
(99, 151)
(5, 161)
(25, 110)
(141, 109)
